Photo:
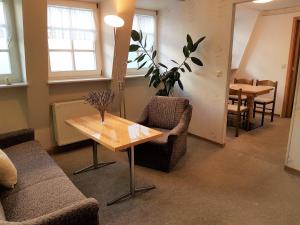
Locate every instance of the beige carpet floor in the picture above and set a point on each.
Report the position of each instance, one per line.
(243, 183)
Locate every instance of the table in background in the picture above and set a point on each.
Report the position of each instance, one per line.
(251, 92)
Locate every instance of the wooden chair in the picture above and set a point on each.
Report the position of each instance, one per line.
(238, 110)
(233, 98)
(263, 102)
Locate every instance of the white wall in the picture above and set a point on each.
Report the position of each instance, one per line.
(267, 53)
(245, 20)
(206, 87)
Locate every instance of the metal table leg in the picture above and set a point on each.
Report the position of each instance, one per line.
(95, 164)
(133, 189)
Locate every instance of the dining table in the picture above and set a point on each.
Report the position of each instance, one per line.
(251, 92)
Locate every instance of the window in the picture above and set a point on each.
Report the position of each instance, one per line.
(145, 21)
(72, 40)
(9, 60)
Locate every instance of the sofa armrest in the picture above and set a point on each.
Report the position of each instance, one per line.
(16, 137)
(184, 122)
(80, 213)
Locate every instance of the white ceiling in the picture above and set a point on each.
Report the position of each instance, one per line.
(275, 4)
(155, 4)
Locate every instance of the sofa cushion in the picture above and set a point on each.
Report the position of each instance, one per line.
(8, 172)
(165, 112)
(2, 214)
(33, 164)
(40, 199)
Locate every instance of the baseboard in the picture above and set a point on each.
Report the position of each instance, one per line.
(70, 147)
(205, 139)
(292, 170)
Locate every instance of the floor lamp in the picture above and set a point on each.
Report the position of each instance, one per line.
(116, 22)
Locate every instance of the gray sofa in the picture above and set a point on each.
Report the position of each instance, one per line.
(43, 194)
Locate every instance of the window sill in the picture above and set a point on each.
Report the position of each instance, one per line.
(15, 85)
(67, 81)
(134, 76)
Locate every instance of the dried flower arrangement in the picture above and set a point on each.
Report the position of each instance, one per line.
(100, 100)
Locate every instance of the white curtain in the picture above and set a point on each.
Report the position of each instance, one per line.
(71, 23)
(3, 25)
(146, 24)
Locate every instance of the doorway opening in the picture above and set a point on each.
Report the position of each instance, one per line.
(265, 56)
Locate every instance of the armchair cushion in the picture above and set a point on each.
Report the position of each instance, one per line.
(165, 112)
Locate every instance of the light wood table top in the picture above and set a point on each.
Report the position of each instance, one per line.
(251, 90)
(115, 133)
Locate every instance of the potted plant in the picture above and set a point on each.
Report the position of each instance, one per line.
(160, 75)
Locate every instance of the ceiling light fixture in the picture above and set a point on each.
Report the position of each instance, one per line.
(114, 21)
(262, 1)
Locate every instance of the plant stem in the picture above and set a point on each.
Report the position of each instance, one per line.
(145, 50)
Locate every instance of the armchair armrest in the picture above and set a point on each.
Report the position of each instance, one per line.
(184, 122)
(144, 117)
(80, 213)
(16, 137)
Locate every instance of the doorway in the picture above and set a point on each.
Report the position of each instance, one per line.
(292, 72)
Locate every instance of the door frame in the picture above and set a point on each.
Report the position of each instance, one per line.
(289, 77)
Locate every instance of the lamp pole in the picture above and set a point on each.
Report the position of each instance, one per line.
(115, 22)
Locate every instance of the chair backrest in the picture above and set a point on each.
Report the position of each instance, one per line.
(165, 112)
(238, 93)
(269, 83)
(243, 81)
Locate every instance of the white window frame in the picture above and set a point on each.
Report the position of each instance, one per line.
(88, 74)
(143, 71)
(15, 76)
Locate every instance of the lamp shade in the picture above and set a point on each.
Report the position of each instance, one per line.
(114, 21)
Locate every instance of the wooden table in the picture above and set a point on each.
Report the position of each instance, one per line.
(251, 92)
(115, 134)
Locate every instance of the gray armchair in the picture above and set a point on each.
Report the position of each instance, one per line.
(171, 116)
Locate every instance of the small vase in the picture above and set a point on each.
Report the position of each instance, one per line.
(102, 114)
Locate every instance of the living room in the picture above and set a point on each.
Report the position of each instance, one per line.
(209, 184)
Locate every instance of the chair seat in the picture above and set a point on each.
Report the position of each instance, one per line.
(263, 100)
(235, 97)
(234, 108)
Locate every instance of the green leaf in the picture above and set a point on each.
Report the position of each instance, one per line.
(197, 43)
(186, 52)
(141, 66)
(135, 35)
(182, 70)
(152, 80)
(141, 35)
(197, 61)
(180, 84)
(154, 54)
(175, 62)
(133, 48)
(145, 44)
(149, 71)
(141, 58)
(188, 67)
(190, 44)
(164, 66)
(156, 83)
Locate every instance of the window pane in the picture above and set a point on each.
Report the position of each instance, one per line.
(147, 64)
(59, 44)
(84, 45)
(85, 61)
(132, 56)
(5, 67)
(61, 61)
